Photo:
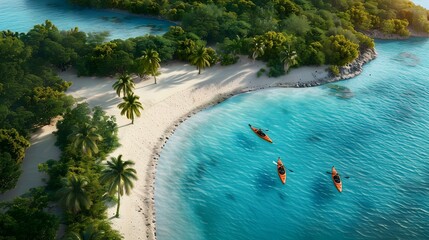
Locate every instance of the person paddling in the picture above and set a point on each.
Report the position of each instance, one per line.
(281, 167)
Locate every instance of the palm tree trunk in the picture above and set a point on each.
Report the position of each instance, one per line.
(286, 67)
(119, 204)
(132, 120)
(199, 70)
(154, 78)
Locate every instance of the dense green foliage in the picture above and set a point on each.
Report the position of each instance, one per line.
(24, 218)
(30, 92)
(76, 176)
(304, 26)
(284, 33)
(12, 152)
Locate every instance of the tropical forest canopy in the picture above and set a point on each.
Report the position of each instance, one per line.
(278, 27)
(280, 32)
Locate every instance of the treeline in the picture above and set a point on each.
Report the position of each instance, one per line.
(85, 136)
(79, 182)
(284, 33)
(364, 14)
(31, 93)
(25, 217)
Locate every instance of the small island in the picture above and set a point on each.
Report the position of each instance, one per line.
(110, 105)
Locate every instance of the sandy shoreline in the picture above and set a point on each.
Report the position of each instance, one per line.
(42, 148)
(179, 94)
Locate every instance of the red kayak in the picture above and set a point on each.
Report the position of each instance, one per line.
(261, 134)
(337, 180)
(281, 170)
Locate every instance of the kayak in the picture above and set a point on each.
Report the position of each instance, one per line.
(281, 170)
(337, 180)
(261, 134)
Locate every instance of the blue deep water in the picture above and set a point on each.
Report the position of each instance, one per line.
(216, 179)
(22, 15)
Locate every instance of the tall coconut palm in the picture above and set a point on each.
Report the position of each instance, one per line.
(200, 58)
(124, 84)
(258, 50)
(235, 45)
(131, 107)
(89, 233)
(85, 139)
(151, 60)
(119, 176)
(288, 58)
(73, 194)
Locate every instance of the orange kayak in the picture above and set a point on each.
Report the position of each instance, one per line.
(281, 170)
(261, 134)
(337, 180)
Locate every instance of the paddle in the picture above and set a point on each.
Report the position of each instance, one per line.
(344, 176)
(264, 130)
(287, 168)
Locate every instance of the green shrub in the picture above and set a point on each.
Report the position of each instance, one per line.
(260, 72)
(334, 70)
(228, 59)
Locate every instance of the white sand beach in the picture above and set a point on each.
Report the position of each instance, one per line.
(180, 93)
(42, 148)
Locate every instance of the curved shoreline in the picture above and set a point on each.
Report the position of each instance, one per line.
(346, 72)
(179, 94)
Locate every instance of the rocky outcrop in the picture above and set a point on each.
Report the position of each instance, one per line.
(377, 34)
(356, 67)
(348, 71)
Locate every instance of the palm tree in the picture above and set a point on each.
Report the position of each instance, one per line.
(200, 58)
(131, 106)
(235, 45)
(258, 50)
(89, 233)
(85, 139)
(151, 60)
(124, 84)
(288, 58)
(119, 176)
(73, 194)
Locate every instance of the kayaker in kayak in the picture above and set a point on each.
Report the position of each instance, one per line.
(281, 168)
(261, 134)
(337, 178)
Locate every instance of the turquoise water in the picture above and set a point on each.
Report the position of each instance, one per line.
(216, 179)
(22, 15)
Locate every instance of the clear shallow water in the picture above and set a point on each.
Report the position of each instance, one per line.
(216, 179)
(22, 15)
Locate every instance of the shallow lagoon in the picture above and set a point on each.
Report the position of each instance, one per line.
(22, 15)
(216, 179)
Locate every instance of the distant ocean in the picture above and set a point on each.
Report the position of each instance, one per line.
(423, 3)
(22, 15)
(216, 179)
